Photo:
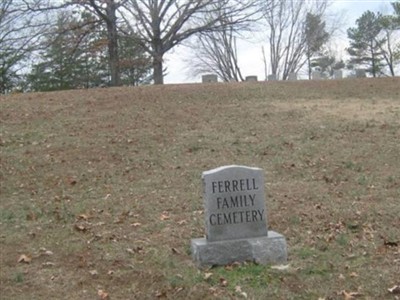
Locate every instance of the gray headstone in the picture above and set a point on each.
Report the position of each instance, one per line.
(234, 203)
(235, 218)
(251, 78)
(316, 75)
(292, 77)
(360, 73)
(209, 78)
(272, 77)
(338, 74)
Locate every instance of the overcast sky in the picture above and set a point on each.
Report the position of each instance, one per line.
(250, 55)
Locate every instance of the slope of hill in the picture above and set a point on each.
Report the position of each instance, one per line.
(101, 189)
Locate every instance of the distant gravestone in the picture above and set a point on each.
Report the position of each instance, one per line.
(271, 77)
(292, 77)
(209, 78)
(235, 218)
(338, 74)
(316, 75)
(251, 78)
(360, 73)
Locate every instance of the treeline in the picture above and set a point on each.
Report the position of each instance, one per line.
(67, 44)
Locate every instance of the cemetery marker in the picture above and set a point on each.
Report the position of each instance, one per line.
(235, 217)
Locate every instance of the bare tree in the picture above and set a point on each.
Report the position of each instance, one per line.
(285, 21)
(163, 24)
(107, 11)
(390, 30)
(315, 36)
(19, 34)
(216, 52)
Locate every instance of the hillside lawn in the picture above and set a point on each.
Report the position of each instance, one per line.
(101, 189)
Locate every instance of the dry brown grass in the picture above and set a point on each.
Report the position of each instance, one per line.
(108, 181)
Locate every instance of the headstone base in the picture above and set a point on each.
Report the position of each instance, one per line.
(263, 250)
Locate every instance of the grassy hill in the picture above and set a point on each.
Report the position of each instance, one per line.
(101, 189)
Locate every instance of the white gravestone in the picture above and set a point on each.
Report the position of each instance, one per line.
(316, 75)
(235, 217)
(338, 74)
(251, 78)
(360, 73)
(209, 78)
(292, 77)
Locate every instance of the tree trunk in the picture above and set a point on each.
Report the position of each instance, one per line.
(113, 44)
(389, 56)
(309, 65)
(158, 54)
(158, 70)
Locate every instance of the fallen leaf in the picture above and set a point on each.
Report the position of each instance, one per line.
(395, 289)
(207, 276)
(390, 244)
(223, 282)
(280, 267)
(137, 224)
(175, 251)
(341, 277)
(24, 259)
(213, 291)
(110, 272)
(238, 290)
(83, 217)
(182, 222)
(164, 216)
(94, 273)
(161, 294)
(138, 249)
(353, 274)
(48, 264)
(119, 220)
(31, 216)
(350, 295)
(46, 252)
(80, 227)
(228, 267)
(178, 289)
(102, 294)
(129, 250)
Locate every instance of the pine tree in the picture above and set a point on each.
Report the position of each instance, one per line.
(72, 58)
(316, 36)
(366, 44)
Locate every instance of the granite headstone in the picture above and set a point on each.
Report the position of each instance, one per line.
(209, 78)
(251, 78)
(292, 77)
(236, 220)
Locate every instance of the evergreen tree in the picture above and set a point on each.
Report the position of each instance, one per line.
(315, 35)
(327, 64)
(135, 65)
(366, 44)
(74, 57)
(390, 32)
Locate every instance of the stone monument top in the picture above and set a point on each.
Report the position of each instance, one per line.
(234, 203)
